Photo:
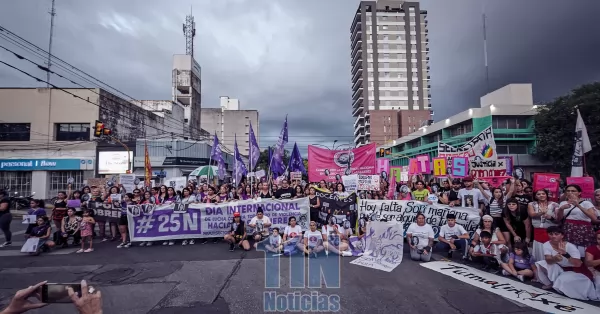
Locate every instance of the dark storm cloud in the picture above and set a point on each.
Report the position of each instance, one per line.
(292, 57)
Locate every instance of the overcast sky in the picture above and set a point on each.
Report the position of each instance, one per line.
(293, 57)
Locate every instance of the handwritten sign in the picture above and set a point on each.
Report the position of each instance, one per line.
(423, 162)
(368, 182)
(460, 167)
(384, 246)
(440, 167)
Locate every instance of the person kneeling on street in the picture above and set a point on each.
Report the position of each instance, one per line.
(313, 241)
(453, 237)
(274, 242)
(260, 223)
(237, 234)
(42, 231)
(334, 238)
(420, 237)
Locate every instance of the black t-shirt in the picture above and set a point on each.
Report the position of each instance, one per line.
(262, 195)
(285, 194)
(238, 228)
(450, 193)
(523, 201)
(7, 201)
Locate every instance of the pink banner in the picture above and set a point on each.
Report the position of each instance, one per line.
(413, 167)
(549, 182)
(383, 164)
(395, 178)
(494, 181)
(586, 184)
(325, 164)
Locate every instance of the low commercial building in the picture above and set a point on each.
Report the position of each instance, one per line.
(46, 136)
(509, 111)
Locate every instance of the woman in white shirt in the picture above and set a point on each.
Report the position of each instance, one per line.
(542, 213)
(291, 236)
(420, 237)
(313, 241)
(561, 268)
(187, 198)
(334, 237)
(577, 216)
(340, 190)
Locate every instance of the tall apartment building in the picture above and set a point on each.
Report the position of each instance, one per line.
(390, 68)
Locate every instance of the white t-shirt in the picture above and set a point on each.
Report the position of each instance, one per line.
(447, 232)
(470, 198)
(313, 238)
(259, 224)
(293, 232)
(275, 241)
(490, 249)
(332, 234)
(420, 234)
(577, 214)
(570, 248)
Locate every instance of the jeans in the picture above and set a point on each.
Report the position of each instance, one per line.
(5, 221)
(415, 256)
(461, 246)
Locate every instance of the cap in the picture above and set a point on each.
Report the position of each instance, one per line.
(468, 178)
(456, 181)
(487, 218)
(236, 214)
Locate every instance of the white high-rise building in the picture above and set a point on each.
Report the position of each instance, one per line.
(390, 67)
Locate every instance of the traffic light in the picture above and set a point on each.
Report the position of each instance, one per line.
(106, 131)
(381, 152)
(98, 129)
(388, 151)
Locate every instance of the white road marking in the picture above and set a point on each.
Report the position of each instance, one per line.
(533, 297)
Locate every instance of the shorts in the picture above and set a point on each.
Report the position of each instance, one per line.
(499, 222)
(123, 220)
(237, 238)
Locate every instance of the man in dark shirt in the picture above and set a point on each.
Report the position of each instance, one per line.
(5, 218)
(452, 194)
(286, 192)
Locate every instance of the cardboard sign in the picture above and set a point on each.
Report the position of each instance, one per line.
(424, 165)
(586, 184)
(460, 167)
(440, 167)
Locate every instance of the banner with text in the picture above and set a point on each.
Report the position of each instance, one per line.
(368, 182)
(405, 213)
(326, 164)
(342, 208)
(193, 221)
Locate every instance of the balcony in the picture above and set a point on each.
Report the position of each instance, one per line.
(368, 114)
(359, 139)
(357, 58)
(356, 37)
(357, 102)
(357, 26)
(358, 74)
(356, 51)
(357, 121)
(367, 121)
(358, 110)
(358, 129)
(358, 83)
(357, 93)
(356, 67)
(367, 132)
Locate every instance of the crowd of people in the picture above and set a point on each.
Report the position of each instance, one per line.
(522, 233)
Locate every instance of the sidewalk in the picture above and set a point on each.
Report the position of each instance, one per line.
(18, 214)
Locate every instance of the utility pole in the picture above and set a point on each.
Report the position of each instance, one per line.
(485, 53)
(49, 62)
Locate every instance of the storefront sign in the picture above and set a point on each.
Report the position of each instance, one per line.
(46, 164)
(171, 161)
(114, 162)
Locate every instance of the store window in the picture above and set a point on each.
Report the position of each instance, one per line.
(72, 132)
(59, 181)
(16, 181)
(511, 149)
(15, 132)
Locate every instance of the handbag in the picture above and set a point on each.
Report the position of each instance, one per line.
(561, 225)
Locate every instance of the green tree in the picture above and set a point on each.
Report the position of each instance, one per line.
(263, 160)
(555, 128)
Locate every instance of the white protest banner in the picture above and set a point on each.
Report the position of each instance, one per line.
(368, 182)
(296, 176)
(384, 246)
(178, 183)
(482, 154)
(542, 300)
(128, 182)
(31, 245)
(201, 220)
(405, 213)
(350, 183)
(259, 174)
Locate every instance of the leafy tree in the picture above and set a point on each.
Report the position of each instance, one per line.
(555, 129)
(263, 160)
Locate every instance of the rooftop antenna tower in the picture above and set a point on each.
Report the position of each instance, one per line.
(52, 13)
(189, 31)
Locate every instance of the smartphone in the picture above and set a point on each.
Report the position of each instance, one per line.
(57, 292)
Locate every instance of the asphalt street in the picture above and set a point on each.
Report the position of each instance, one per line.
(210, 279)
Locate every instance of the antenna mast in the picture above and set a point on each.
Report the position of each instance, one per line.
(49, 62)
(189, 31)
(485, 52)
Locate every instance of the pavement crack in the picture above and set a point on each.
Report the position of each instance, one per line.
(233, 272)
(444, 297)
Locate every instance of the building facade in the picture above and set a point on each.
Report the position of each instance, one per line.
(230, 120)
(390, 63)
(187, 87)
(46, 136)
(509, 111)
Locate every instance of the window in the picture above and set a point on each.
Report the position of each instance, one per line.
(511, 149)
(500, 122)
(58, 181)
(16, 181)
(72, 132)
(461, 129)
(14, 132)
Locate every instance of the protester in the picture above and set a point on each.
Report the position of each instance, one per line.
(37, 210)
(313, 241)
(5, 219)
(486, 252)
(69, 228)
(275, 242)
(453, 237)
(577, 216)
(419, 192)
(542, 213)
(123, 223)
(470, 197)
(521, 264)
(187, 198)
(562, 268)
(334, 237)
(115, 193)
(497, 238)
(517, 192)
(592, 260)
(42, 231)
(260, 223)
(60, 209)
(86, 227)
(420, 237)
(286, 192)
(291, 236)
(237, 234)
(517, 222)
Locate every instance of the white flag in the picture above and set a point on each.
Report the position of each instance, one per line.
(582, 146)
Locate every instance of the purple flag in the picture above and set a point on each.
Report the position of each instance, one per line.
(240, 169)
(277, 166)
(217, 154)
(296, 163)
(254, 150)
